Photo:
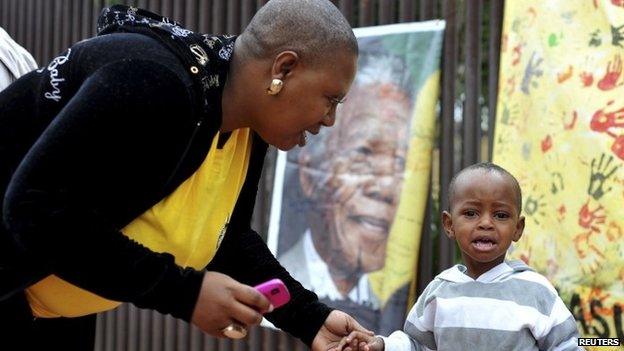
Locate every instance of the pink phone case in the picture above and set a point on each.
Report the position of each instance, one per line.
(275, 291)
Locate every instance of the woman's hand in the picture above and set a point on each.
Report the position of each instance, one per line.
(223, 301)
(337, 325)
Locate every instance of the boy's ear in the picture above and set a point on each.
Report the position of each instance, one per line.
(519, 229)
(447, 223)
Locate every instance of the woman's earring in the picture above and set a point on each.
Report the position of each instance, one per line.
(275, 87)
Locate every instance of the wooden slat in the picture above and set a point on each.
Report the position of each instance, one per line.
(496, 28)
(182, 335)
(347, 9)
(233, 17)
(191, 15)
(74, 33)
(29, 12)
(145, 330)
(157, 332)
(86, 20)
(386, 11)
(425, 273)
(121, 326)
(12, 27)
(449, 69)
(4, 14)
(166, 9)
(196, 339)
(210, 344)
(142, 4)
(66, 24)
(246, 13)
(365, 9)
(170, 334)
(132, 340)
(20, 35)
(406, 10)
(98, 5)
(218, 16)
(109, 332)
(426, 10)
(472, 113)
(255, 339)
(178, 12)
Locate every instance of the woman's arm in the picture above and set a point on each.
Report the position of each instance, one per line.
(107, 153)
(244, 256)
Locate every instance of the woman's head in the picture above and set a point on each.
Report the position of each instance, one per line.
(310, 47)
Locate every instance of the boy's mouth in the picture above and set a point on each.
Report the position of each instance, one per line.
(484, 243)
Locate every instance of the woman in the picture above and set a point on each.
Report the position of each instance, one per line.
(130, 166)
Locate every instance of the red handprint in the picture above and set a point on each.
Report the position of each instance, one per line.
(587, 78)
(602, 121)
(546, 143)
(618, 147)
(561, 212)
(569, 126)
(517, 54)
(588, 217)
(511, 85)
(612, 75)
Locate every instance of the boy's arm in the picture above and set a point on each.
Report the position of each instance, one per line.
(417, 333)
(563, 334)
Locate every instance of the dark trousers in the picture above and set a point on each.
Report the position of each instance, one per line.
(19, 330)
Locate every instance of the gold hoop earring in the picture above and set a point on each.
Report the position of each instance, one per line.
(275, 87)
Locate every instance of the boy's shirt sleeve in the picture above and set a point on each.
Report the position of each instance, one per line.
(563, 333)
(417, 333)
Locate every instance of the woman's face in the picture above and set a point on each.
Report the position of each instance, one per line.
(306, 102)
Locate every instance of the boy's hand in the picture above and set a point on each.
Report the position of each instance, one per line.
(358, 341)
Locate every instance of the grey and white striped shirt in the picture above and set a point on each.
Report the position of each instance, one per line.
(510, 307)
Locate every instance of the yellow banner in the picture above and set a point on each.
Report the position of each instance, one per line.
(560, 131)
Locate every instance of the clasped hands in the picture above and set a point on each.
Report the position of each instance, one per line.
(223, 301)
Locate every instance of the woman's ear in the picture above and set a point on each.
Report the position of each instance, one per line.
(447, 223)
(283, 64)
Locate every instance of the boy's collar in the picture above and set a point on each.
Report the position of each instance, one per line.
(457, 273)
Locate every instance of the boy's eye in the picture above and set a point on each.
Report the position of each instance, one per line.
(470, 213)
(501, 215)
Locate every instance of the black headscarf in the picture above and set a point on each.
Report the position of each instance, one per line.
(207, 57)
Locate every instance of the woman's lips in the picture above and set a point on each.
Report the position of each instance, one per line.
(303, 139)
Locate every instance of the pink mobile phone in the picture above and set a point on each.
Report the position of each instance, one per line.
(275, 291)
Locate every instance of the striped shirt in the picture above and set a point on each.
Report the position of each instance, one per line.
(510, 307)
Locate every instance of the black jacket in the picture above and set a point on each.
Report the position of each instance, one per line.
(97, 137)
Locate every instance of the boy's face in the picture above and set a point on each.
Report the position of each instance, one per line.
(484, 219)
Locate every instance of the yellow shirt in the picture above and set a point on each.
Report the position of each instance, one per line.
(189, 224)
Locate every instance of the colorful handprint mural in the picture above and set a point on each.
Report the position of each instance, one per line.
(560, 130)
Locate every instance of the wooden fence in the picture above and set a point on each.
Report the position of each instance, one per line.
(467, 105)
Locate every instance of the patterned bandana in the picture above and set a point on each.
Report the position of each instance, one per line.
(206, 57)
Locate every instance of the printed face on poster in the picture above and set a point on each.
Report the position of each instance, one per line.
(351, 200)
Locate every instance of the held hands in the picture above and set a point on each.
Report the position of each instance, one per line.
(358, 341)
(337, 326)
(223, 301)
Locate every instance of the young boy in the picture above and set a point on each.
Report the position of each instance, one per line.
(487, 303)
